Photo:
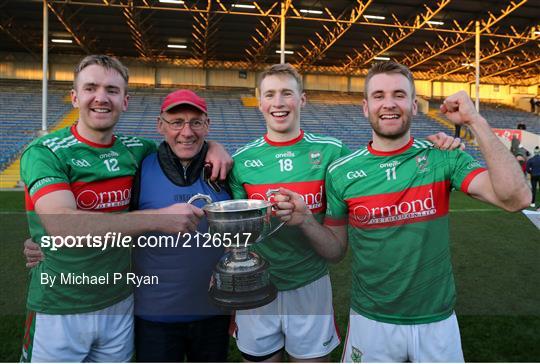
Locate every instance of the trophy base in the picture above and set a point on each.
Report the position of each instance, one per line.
(241, 284)
(243, 300)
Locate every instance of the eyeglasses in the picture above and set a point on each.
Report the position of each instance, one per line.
(179, 124)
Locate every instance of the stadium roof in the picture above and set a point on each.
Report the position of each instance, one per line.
(436, 39)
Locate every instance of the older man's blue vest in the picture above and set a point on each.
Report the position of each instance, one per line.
(183, 271)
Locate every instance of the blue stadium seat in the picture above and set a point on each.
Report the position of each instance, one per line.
(232, 124)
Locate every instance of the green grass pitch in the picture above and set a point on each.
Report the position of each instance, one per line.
(496, 259)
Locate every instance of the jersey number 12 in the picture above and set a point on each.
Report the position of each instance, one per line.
(112, 164)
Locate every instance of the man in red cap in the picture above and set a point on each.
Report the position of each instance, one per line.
(178, 107)
(174, 321)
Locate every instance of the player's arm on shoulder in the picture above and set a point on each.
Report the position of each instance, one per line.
(444, 141)
(150, 146)
(220, 160)
(235, 184)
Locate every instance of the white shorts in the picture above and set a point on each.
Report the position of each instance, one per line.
(301, 320)
(100, 336)
(374, 341)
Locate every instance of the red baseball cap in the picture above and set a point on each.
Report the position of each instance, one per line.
(183, 97)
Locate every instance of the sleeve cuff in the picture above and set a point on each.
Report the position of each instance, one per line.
(48, 189)
(467, 181)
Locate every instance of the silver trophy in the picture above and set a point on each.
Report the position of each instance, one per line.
(240, 278)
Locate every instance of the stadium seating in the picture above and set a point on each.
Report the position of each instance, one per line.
(20, 115)
(504, 117)
(233, 124)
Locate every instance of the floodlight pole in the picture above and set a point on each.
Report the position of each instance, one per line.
(477, 64)
(45, 63)
(282, 35)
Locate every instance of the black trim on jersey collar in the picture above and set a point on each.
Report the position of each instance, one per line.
(173, 168)
(391, 152)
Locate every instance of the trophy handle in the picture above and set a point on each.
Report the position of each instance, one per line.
(269, 193)
(200, 196)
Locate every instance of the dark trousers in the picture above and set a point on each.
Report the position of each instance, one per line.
(198, 341)
(535, 182)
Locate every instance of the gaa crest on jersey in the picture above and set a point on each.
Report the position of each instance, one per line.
(356, 174)
(253, 163)
(315, 157)
(81, 163)
(422, 164)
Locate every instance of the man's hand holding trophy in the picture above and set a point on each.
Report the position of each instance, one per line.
(240, 279)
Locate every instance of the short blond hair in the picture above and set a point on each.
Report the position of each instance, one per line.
(107, 62)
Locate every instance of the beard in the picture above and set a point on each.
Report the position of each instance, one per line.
(390, 134)
(99, 125)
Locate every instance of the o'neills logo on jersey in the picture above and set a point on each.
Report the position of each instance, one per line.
(389, 164)
(397, 208)
(108, 195)
(110, 154)
(312, 192)
(287, 154)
